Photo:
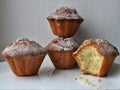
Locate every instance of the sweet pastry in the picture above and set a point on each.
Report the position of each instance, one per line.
(60, 51)
(65, 21)
(24, 56)
(95, 56)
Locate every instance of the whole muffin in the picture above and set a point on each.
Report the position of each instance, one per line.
(24, 56)
(95, 57)
(65, 21)
(60, 51)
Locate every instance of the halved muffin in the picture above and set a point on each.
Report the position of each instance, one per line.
(60, 51)
(24, 56)
(95, 56)
(65, 21)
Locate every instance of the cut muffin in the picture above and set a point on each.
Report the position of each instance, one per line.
(95, 56)
(65, 21)
(60, 51)
(24, 56)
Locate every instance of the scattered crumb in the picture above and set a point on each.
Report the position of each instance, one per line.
(65, 76)
(99, 80)
(49, 72)
(97, 83)
(109, 83)
(98, 88)
(85, 81)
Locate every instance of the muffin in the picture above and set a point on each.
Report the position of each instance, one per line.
(65, 21)
(24, 56)
(60, 51)
(95, 57)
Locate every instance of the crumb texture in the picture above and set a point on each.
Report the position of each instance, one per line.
(90, 60)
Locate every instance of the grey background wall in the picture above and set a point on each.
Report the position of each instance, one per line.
(27, 18)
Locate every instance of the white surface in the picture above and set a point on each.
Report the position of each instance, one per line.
(50, 78)
(27, 18)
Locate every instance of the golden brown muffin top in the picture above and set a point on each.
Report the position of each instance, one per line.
(24, 47)
(65, 13)
(103, 46)
(62, 44)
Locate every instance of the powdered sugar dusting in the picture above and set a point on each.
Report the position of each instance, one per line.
(63, 44)
(65, 13)
(105, 47)
(23, 46)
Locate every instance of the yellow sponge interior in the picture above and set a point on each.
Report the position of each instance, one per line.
(90, 60)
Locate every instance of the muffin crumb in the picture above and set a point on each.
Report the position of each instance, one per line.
(99, 80)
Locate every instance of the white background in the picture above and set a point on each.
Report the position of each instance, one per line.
(27, 18)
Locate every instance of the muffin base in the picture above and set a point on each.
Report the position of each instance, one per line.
(26, 65)
(62, 60)
(64, 27)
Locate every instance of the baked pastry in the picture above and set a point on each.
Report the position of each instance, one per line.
(65, 21)
(24, 56)
(60, 51)
(95, 56)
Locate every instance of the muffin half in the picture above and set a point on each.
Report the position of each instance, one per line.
(24, 56)
(95, 57)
